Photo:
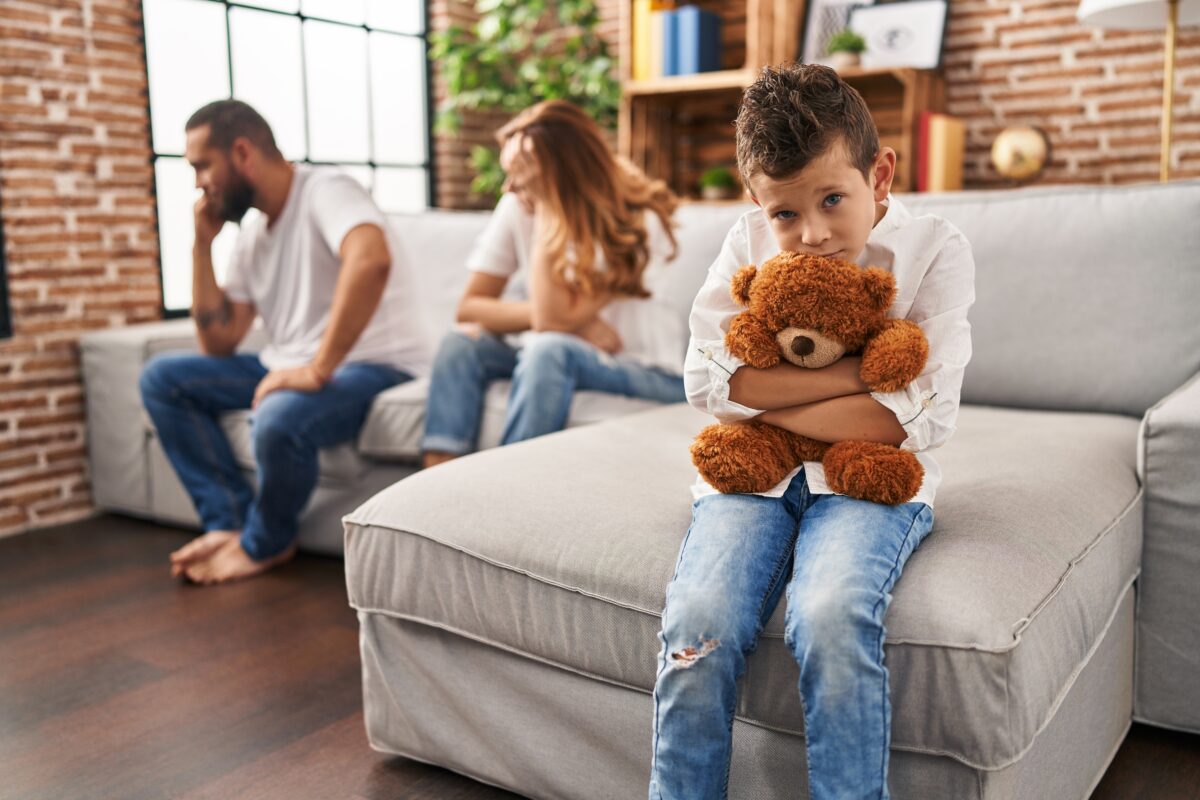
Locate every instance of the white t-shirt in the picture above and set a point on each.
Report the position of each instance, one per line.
(289, 271)
(935, 285)
(651, 330)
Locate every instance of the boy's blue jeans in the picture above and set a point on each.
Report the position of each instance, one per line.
(545, 374)
(838, 559)
(185, 394)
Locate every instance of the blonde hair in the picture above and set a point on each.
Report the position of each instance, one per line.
(594, 198)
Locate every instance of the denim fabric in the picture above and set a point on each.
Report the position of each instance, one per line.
(837, 558)
(185, 394)
(545, 372)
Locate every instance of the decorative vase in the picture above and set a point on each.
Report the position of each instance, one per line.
(843, 60)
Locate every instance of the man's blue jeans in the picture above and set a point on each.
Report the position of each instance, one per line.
(838, 559)
(185, 395)
(545, 374)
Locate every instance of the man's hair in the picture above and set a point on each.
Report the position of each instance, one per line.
(794, 113)
(232, 119)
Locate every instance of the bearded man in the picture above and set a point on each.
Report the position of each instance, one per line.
(320, 267)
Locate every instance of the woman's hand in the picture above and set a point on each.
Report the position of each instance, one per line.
(601, 335)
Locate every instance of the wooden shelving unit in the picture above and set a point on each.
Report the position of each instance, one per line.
(676, 127)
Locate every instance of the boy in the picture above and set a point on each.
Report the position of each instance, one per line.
(809, 152)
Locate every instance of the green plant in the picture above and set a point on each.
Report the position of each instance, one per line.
(718, 177)
(519, 53)
(845, 41)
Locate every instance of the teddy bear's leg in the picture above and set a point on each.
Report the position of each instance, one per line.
(880, 473)
(745, 457)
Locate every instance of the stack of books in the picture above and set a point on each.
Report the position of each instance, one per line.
(941, 145)
(674, 41)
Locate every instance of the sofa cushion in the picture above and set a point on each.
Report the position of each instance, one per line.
(1086, 296)
(561, 549)
(394, 427)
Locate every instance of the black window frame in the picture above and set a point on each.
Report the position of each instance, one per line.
(428, 164)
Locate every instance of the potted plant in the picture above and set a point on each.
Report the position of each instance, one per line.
(718, 183)
(844, 49)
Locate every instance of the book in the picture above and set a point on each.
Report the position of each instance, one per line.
(670, 42)
(656, 43)
(699, 40)
(642, 44)
(947, 146)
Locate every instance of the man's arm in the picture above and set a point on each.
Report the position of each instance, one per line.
(221, 323)
(858, 417)
(366, 263)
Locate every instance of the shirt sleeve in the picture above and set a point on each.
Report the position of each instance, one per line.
(709, 366)
(496, 251)
(928, 407)
(237, 283)
(339, 205)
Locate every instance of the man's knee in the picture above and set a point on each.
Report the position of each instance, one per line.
(274, 429)
(160, 376)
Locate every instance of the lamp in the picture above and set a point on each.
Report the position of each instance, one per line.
(1150, 15)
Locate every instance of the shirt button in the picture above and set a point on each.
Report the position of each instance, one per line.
(708, 354)
(927, 403)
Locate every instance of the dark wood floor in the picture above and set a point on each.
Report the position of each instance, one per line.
(117, 682)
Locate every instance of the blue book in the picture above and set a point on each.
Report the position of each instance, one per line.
(699, 40)
(670, 42)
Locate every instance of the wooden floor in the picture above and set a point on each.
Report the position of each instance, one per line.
(118, 682)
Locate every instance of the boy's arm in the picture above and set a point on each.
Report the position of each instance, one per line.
(719, 383)
(922, 415)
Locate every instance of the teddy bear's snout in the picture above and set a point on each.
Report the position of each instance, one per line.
(808, 348)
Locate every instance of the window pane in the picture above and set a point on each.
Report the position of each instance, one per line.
(176, 184)
(266, 73)
(401, 189)
(336, 71)
(187, 63)
(398, 98)
(278, 5)
(352, 11)
(403, 16)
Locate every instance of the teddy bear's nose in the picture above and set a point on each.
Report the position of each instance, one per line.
(803, 346)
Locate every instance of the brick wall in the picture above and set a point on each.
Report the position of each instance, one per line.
(1097, 94)
(75, 194)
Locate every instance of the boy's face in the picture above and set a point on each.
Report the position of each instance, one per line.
(828, 208)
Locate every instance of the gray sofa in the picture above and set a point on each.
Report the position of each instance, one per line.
(509, 601)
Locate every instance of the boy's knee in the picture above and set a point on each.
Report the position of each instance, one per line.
(828, 616)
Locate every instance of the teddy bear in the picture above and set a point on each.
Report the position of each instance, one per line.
(810, 311)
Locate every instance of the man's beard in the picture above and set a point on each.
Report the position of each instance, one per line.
(236, 200)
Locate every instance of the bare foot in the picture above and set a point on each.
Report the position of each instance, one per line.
(199, 548)
(230, 562)
(433, 458)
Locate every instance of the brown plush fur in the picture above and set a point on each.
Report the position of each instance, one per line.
(847, 304)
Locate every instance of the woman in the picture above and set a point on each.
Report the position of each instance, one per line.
(565, 288)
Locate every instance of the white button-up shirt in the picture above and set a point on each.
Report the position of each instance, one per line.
(935, 285)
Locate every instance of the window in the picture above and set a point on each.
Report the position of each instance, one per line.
(341, 82)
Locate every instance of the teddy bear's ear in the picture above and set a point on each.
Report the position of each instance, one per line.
(880, 286)
(739, 287)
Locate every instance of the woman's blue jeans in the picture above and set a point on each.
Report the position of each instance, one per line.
(185, 395)
(837, 558)
(545, 374)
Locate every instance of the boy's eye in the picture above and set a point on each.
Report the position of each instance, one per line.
(832, 200)
(785, 215)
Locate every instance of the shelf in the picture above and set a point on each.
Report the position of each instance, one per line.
(687, 84)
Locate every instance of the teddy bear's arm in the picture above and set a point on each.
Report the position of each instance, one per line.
(894, 357)
(751, 341)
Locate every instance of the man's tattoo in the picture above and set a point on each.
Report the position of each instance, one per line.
(221, 315)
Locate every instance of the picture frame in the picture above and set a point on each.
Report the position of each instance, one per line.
(822, 19)
(902, 34)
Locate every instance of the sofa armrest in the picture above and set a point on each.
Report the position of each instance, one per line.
(112, 362)
(1168, 630)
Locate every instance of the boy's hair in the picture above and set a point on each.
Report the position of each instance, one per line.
(794, 113)
(232, 119)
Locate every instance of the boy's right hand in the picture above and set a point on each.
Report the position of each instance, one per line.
(601, 335)
(208, 224)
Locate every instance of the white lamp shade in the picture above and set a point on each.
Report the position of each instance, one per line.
(1135, 14)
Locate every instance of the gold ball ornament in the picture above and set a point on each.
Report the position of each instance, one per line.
(1020, 153)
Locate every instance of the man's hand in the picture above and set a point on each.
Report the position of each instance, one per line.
(299, 379)
(602, 335)
(208, 224)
